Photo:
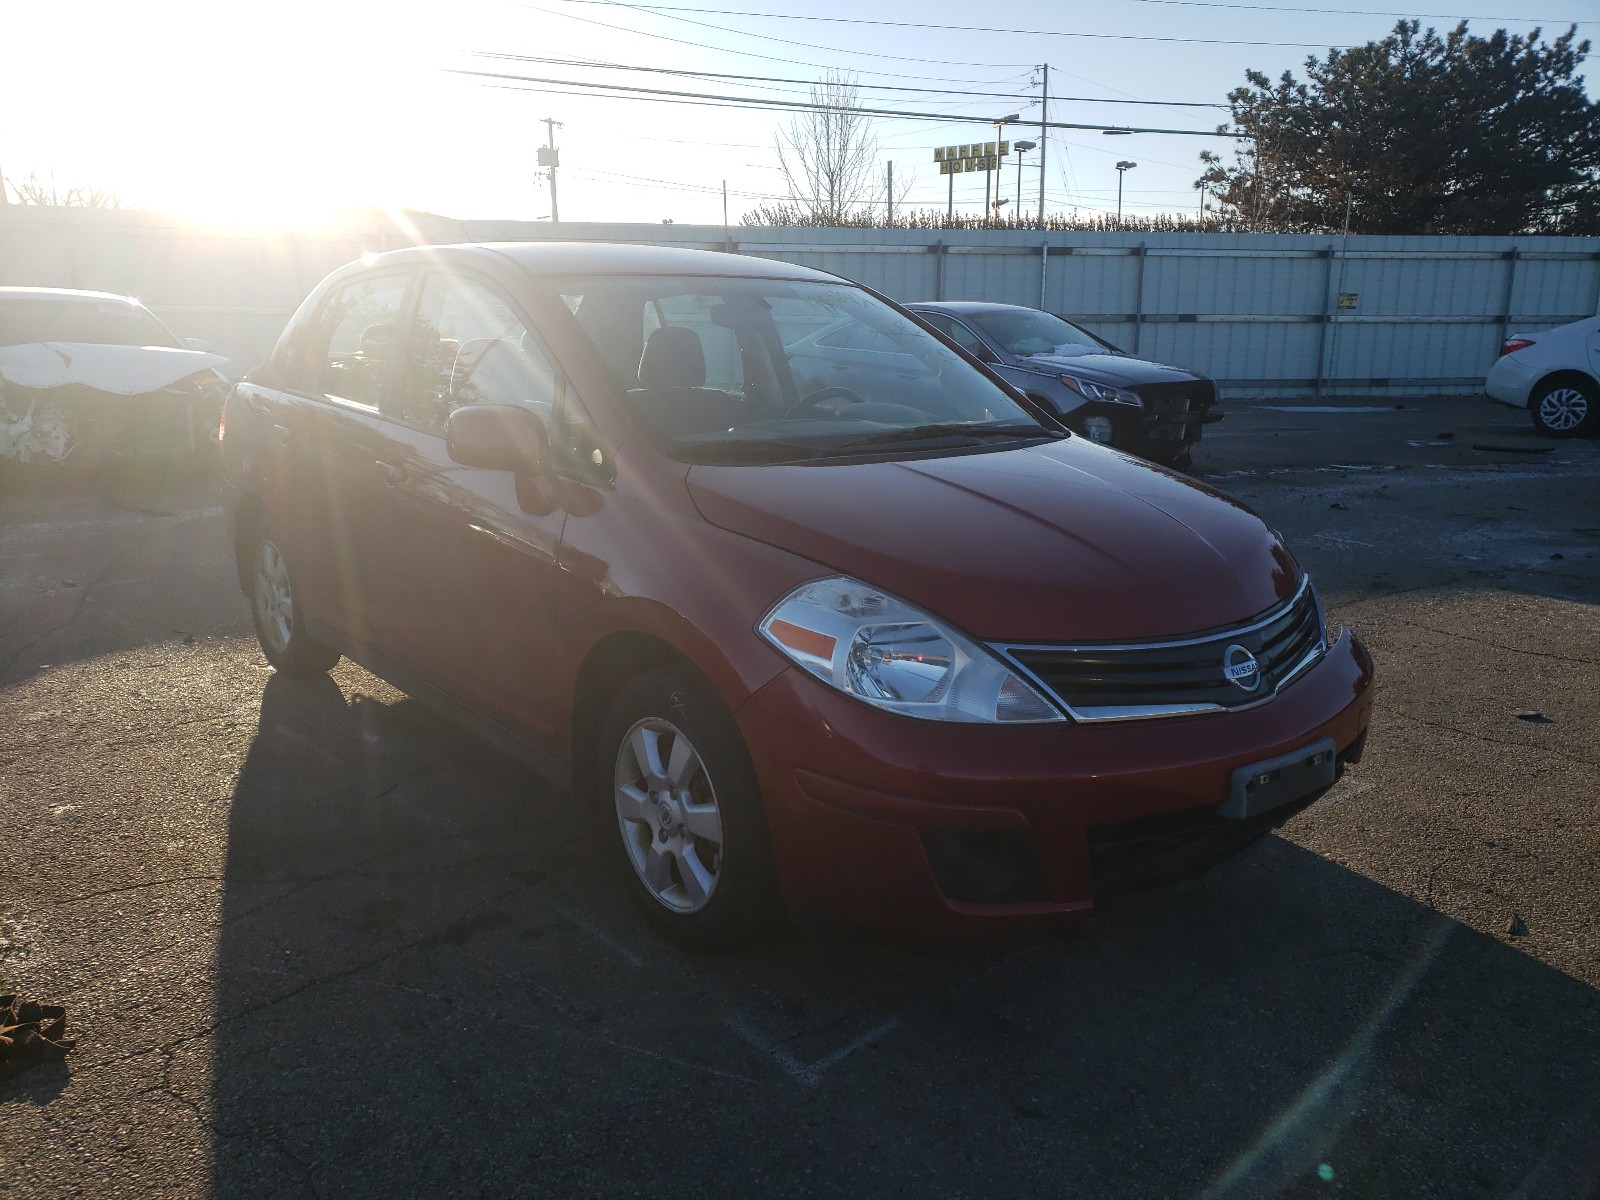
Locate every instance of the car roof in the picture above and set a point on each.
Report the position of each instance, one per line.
(968, 306)
(48, 293)
(609, 258)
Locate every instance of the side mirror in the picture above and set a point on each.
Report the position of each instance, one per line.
(500, 437)
(983, 354)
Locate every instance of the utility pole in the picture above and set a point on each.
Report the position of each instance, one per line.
(1044, 116)
(550, 158)
(890, 220)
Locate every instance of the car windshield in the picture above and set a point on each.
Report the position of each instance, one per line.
(102, 320)
(763, 370)
(1026, 332)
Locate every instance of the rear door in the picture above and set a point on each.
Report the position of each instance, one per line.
(329, 431)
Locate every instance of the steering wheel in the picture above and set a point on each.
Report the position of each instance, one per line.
(807, 403)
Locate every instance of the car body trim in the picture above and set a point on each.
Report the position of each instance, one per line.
(1094, 714)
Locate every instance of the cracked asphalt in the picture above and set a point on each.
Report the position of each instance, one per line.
(315, 941)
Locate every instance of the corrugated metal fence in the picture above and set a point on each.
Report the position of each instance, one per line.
(1267, 314)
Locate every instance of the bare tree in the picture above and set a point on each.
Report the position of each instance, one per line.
(34, 190)
(829, 156)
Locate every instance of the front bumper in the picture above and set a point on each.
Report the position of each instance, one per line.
(860, 802)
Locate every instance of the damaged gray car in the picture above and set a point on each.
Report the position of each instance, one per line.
(91, 380)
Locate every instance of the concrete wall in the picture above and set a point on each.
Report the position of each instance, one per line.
(1260, 312)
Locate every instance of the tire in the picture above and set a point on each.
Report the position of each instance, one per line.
(682, 810)
(1565, 407)
(288, 647)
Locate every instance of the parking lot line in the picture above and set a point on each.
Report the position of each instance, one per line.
(803, 1073)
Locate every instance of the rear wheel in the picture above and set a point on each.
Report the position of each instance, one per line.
(686, 811)
(288, 647)
(1565, 407)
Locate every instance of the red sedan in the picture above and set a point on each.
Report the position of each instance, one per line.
(899, 651)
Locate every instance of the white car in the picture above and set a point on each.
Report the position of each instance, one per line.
(1554, 374)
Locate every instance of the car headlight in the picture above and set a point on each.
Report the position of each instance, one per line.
(1103, 392)
(881, 650)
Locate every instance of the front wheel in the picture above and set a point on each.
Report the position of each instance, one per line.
(1565, 408)
(284, 640)
(686, 810)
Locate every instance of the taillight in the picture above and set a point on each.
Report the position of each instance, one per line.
(1512, 345)
(222, 425)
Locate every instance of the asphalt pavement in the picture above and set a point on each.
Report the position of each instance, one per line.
(314, 940)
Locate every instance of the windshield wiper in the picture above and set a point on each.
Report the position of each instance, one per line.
(750, 449)
(949, 430)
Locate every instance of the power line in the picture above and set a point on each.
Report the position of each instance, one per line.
(665, 10)
(768, 102)
(796, 62)
(767, 38)
(877, 87)
(1367, 12)
(759, 104)
(676, 186)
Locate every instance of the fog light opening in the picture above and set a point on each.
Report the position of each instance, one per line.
(1098, 429)
(982, 868)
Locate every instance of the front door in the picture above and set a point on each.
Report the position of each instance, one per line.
(482, 566)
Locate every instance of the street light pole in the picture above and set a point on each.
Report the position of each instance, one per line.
(1123, 168)
(993, 177)
(1020, 148)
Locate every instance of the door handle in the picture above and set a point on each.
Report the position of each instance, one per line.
(282, 434)
(393, 473)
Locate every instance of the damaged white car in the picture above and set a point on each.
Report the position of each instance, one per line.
(88, 378)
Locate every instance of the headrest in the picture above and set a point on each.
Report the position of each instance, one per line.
(673, 358)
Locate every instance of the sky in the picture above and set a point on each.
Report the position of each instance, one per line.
(266, 115)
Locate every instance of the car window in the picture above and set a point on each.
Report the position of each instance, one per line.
(101, 320)
(734, 368)
(853, 335)
(467, 346)
(724, 358)
(1026, 331)
(957, 332)
(798, 319)
(343, 351)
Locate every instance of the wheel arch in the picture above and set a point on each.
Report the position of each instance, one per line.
(251, 512)
(610, 663)
(1563, 375)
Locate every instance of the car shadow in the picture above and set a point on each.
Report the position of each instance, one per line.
(429, 983)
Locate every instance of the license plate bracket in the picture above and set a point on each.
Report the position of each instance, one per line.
(1264, 786)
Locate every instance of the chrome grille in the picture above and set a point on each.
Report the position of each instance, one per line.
(1099, 682)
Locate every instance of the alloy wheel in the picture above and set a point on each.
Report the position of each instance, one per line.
(668, 816)
(1563, 408)
(274, 598)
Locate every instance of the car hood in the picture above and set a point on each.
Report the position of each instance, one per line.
(1062, 542)
(120, 370)
(1115, 369)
